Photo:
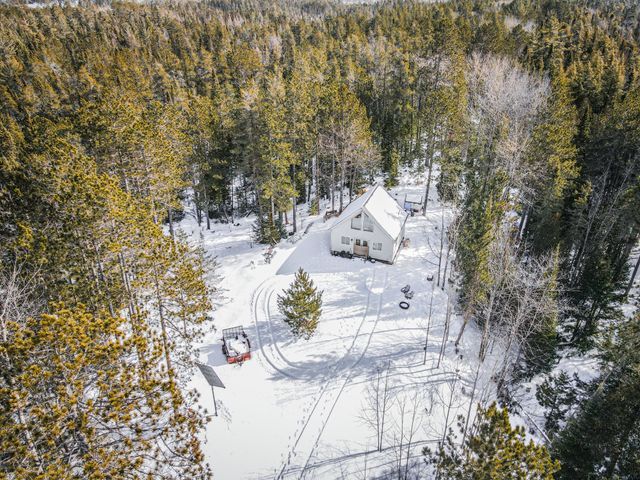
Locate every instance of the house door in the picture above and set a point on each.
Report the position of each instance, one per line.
(361, 248)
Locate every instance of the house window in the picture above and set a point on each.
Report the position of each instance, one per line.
(356, 222)
(367, 224)
(357, 242)
(365, 243)
(346, 241)
(377, 246)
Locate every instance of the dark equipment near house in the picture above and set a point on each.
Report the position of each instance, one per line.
(413, 203)
(405, 289)
(408, 295)
(330, 214)
(236, 345)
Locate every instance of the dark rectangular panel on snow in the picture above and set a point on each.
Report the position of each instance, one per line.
(210, 375)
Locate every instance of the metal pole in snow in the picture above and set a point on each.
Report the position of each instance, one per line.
(215, 407)
(426, 340)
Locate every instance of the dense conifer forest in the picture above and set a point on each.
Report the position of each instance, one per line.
(112, 113)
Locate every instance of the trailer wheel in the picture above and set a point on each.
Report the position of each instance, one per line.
(404, 305)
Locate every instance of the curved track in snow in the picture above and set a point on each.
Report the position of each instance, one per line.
(260, 303)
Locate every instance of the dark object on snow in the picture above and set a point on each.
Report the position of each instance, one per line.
(404, 305)
(405, 289)
(236, 345)
(408, 295)
(344, 254)
(329, 214)
(176, 216)
(413, 203)
(269, 254)
(213, 380)
(211, 376)
(430, 277)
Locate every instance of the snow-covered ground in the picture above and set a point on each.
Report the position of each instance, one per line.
(298, 409)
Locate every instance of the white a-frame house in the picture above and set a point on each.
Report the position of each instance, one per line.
(371, 226)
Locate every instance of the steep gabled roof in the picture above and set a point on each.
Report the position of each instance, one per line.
(381, 207)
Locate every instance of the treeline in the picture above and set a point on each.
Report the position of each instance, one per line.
(525, 117)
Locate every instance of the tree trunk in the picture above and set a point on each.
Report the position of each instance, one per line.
(295, 201)
(342, 178)
(170, 214)
(196, 204)
(426, 192)
(445, 337)
(441, 246)
(333, 184)
(473, 394)
(633, 277)
(426, 341)
(206, 209)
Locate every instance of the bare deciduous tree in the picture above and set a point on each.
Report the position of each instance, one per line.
(377, 404)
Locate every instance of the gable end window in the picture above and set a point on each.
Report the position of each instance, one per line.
(367, 224)
(346, 241)
(356, 222)
(377, 246)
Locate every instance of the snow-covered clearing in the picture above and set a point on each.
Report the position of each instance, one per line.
(298, 409)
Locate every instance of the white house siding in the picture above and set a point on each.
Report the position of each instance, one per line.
(379, 235)
(344, 230)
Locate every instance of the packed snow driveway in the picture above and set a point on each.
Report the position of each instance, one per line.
(296, 409)
(335, 380)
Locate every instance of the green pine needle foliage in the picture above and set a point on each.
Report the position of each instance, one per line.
(301, 305)
(493, 451)
(267, 232)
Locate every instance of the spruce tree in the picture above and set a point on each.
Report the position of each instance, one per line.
(602, 440)
(558, 394)
(301, 305)
(553, 149)
(268, 232)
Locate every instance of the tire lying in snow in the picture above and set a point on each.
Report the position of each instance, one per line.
(404, 305)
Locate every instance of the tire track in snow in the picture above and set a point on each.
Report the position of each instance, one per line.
(325, 384)
(267, 314)
(261, 301)
(348, 377)
(329, 401)
(255, 300)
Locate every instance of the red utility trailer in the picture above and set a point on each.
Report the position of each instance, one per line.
(236, 345)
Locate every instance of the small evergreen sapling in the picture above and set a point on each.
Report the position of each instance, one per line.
(301, 305)
(267, 232)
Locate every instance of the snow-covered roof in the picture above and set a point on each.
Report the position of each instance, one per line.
(381, 207)
(413, 198)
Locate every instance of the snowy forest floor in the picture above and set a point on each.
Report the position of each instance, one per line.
(303, 409)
